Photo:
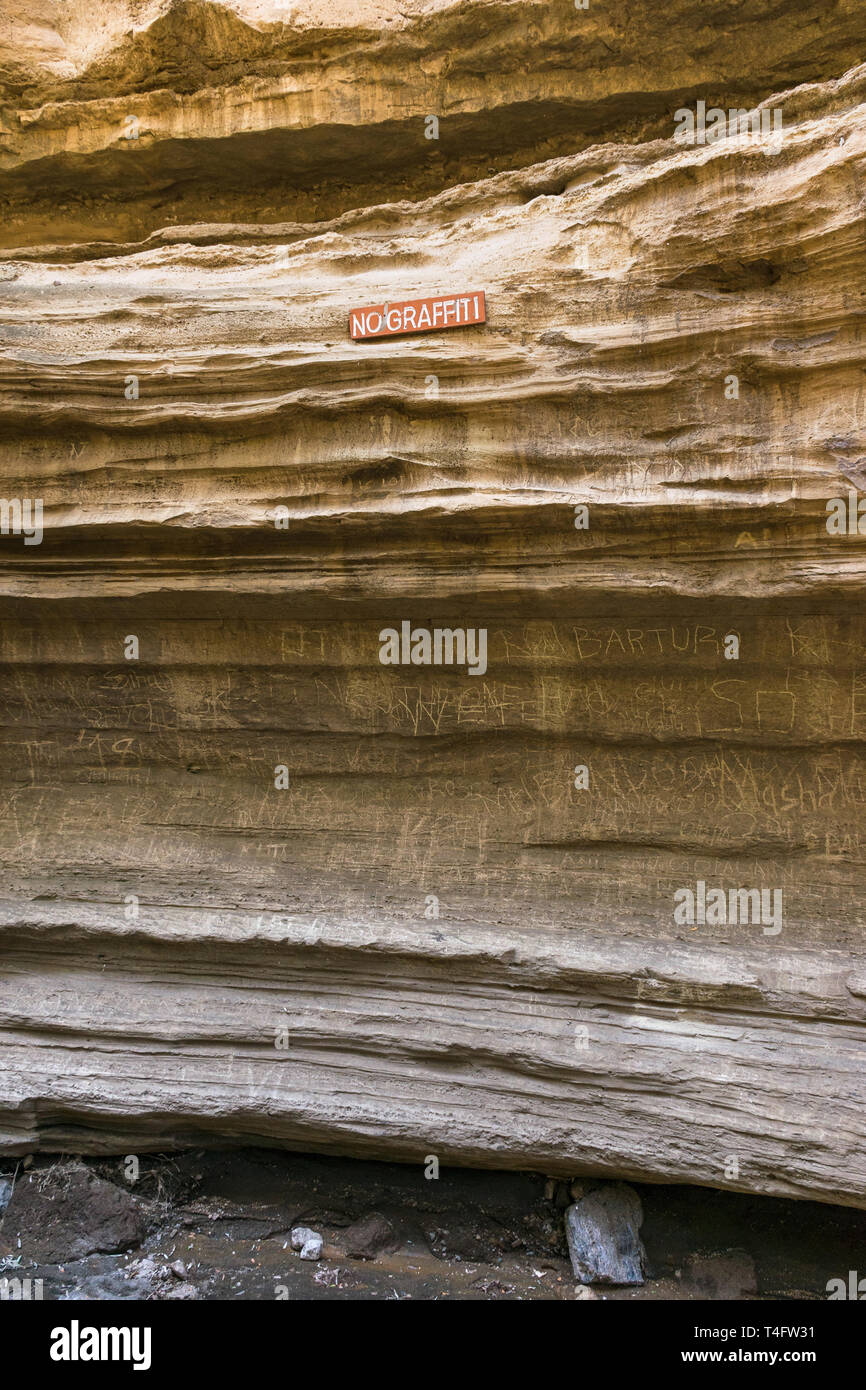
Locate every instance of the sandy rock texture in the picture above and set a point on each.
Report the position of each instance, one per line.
(438, 939)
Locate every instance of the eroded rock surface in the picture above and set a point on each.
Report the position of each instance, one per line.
(432, 935)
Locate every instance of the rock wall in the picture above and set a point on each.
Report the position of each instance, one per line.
(440, 937)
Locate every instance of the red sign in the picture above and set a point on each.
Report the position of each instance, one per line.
(418, 315)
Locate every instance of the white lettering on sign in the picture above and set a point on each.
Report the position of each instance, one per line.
(418, 315)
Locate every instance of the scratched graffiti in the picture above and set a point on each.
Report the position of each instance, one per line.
(405, 777)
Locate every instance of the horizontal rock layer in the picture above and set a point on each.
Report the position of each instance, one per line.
(480, 1046)
(174, 111)
(472, 956)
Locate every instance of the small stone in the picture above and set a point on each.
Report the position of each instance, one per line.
(5, 1192)
(178, 1269)
(603, 1240)
(583, 1291)
(557, 1192)
(300, 1235)
(312, 1248)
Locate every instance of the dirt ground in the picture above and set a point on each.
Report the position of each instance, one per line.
(216, 1225)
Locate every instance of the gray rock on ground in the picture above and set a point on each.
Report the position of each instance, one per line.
(308, 1241)
(602, 1229)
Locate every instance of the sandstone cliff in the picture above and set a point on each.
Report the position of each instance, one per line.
(434, 939)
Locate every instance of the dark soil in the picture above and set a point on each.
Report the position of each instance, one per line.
(216, 1225)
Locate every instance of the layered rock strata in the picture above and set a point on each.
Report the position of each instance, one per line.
(258, 885)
